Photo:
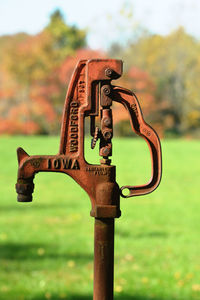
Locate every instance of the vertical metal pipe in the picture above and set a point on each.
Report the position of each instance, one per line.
(103, 259)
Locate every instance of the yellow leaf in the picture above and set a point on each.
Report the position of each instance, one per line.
(40, 251)
(145, 280)
(129, 257)
(118, 288)
(196, 287)
(177, 275)
(180, 283)
(3, 236)
(48, 295)
(71, 263)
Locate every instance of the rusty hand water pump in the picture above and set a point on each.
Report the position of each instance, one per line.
(90, 93)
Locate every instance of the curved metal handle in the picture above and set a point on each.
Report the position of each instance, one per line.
(140, 127)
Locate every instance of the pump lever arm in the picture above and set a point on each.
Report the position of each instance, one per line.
(140, 127)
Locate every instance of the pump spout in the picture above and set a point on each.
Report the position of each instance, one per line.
(24, 186)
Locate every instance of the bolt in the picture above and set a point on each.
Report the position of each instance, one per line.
(107, 135)
(107, 122)
(105, 151)
(109, 72)
(106, 90)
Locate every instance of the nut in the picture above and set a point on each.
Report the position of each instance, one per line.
(105, 161)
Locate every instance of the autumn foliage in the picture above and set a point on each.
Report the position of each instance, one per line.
(35, 72)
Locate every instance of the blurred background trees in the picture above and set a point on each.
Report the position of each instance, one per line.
(32, 90)
(163, 71)
(173, 63)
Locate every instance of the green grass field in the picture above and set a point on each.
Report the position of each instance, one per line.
(46, 247)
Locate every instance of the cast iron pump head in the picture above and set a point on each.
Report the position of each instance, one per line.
(90, 93)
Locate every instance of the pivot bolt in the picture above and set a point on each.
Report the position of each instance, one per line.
(107, 135)
(108, 72)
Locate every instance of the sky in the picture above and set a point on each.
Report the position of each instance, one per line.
(101, 18)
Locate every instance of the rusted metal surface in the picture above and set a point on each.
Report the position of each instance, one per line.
(103, 259)
(91, 94)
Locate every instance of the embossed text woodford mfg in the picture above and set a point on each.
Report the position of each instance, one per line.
(90, 93)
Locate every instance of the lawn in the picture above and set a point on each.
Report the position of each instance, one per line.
(46, 247)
